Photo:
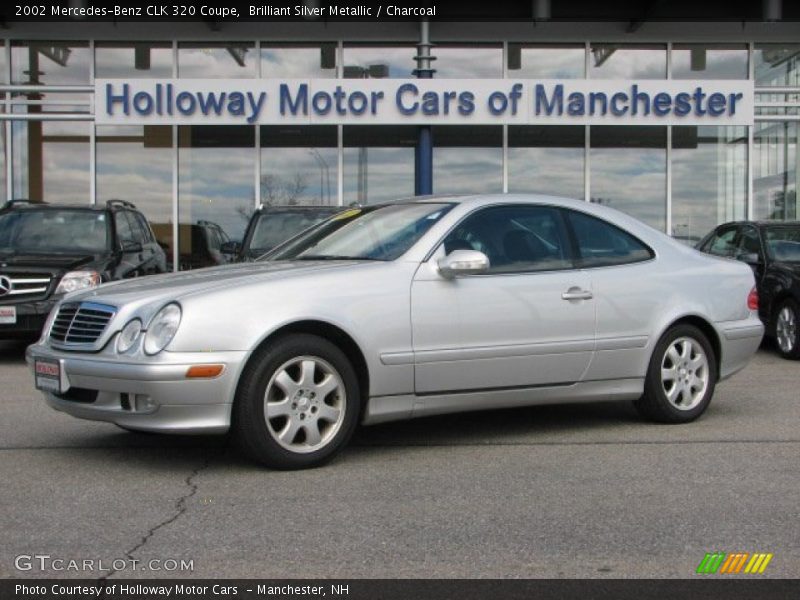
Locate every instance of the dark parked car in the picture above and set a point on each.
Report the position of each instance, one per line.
(772, 249)
(47, 250)
(272, 225)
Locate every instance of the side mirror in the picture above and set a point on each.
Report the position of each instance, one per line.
(230, 247)
(463, 262)
(751, 258)
(132, 247)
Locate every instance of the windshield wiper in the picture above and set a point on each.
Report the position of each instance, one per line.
(334, 257)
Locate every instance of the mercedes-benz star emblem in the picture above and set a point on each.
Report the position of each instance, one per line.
(5, 285)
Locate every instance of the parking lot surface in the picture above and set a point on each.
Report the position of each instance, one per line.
(559, 491)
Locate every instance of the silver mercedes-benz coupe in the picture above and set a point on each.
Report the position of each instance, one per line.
(402, 310)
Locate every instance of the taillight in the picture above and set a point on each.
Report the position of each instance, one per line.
(752, 299)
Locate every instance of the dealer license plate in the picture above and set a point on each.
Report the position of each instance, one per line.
(8, 315)
(48, 375)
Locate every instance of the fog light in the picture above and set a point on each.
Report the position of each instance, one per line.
(144, 403)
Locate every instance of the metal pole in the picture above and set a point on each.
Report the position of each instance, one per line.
(424, 151)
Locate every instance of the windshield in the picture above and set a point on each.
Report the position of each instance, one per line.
(53, 231)
(373, 233)
(783, 243)
(274, 228)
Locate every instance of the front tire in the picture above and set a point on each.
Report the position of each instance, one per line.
(297, 404)
(787, 333)
(680, 378)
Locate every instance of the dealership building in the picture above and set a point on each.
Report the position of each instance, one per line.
(682, 124)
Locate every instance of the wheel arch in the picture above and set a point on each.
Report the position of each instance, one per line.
(708, 330)
(334, 334)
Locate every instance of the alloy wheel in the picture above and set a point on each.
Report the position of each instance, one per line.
(684, 373)
(786, 330)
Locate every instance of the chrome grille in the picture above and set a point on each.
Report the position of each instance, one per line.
(26, 284)
(80, 323)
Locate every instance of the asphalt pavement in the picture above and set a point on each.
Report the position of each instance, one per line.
(542, 492)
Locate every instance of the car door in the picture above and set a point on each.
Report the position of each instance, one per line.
(130, 249)
(628, 294)
(527, 321)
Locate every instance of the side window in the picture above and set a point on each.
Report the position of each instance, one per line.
(123, 227)
(515, 238)
(722, 243)
(749, 242)
(602, 244)
(147, 234)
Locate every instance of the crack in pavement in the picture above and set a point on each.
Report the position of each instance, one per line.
(180, 508)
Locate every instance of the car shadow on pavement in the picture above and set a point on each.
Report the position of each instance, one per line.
(13, 351)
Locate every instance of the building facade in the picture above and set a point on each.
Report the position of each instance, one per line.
(681, 179)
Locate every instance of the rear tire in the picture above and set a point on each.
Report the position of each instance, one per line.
(681, 377)
(298, 403)
(787, 333)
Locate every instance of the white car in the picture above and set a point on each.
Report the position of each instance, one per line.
(402, 310)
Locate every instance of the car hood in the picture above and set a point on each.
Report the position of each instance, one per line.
(173, 286)
(54, 262)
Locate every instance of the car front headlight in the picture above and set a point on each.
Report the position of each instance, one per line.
(162, 328)
(78, 280)
(128, 335)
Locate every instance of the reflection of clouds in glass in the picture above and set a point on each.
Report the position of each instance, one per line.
(215, 63)
(120, 62)
(557, 171)
(633, 180)
(76, 71)
(719, 64)
(551, 63)
(390, 174)
(709, 182)
(777, 64)
(65, 164)
(467, 170)
(399, 59)
(468, 62)
(215, 184)
(293, 62)
(129, 171)
(629, 63)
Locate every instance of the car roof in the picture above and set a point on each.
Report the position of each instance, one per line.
(29, 205)
(761, 223)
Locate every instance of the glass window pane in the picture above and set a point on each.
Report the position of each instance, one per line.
(217, 61)
(546, 62)
(515, 238)
(546, 159)
(723, 243)
(216, 191)
(376, 62)
(626, 61)
(378, 163)
(709, 61)
(298, 165)
(318, 61)
(777, 64)
(467, 160)
(628, 171)
(134, 163)
(52, 63)
(51, 161)
(128, 60)
(709, 179)
(468, 62)
(776, 170)
(601, 244)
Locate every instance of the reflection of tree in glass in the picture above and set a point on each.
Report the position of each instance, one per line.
(277, 191)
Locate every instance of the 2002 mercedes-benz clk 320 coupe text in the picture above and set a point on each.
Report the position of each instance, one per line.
(401, 310)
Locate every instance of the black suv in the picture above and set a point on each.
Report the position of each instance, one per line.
(772, 249)
(47, 250)
(270, 226)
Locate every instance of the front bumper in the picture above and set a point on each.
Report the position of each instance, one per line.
(146, 394)
(31, 317)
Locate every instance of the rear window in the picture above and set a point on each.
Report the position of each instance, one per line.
(602, 244)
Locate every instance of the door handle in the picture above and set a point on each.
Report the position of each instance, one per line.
(576, 293)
